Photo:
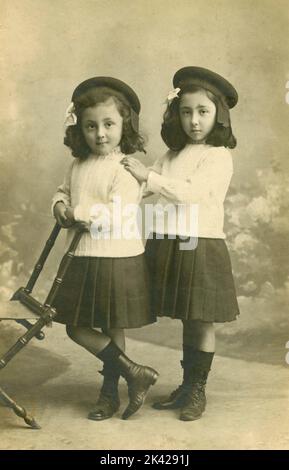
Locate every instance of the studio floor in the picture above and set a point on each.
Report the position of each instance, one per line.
(58, 382)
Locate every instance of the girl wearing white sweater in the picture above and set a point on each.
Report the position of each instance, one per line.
(106, 285)
(193, 283)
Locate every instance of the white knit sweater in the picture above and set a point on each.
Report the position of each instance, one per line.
(197, 175)
(98, 180)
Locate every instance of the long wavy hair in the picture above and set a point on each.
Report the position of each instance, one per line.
(173, 134)
(131, 140)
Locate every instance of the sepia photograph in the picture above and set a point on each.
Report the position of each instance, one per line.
(144, 229)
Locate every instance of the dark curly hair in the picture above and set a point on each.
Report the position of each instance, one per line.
(131, 140)
(173, 134)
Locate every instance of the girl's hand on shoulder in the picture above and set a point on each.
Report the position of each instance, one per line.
(135, 168)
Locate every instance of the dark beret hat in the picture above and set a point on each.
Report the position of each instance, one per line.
(109, 82)
(207, 79)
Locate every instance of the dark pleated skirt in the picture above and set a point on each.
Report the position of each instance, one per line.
(192, 284)
(105, 293)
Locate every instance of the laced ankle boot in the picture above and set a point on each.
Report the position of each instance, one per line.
(196, 376)
(177, 399)
(139, 378)
(108, 401)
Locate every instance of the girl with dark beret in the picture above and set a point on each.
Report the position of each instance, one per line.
(192, 281)
(106, 285)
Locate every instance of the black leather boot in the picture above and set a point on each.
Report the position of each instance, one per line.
(105, 408)
(196, 403)
(108, 401)
(177, 399)
(139, 378)
(198, 371)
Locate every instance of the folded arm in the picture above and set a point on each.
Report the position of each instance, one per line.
(210, 180)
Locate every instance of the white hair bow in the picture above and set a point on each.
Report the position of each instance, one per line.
(70, 116)
(173, 94)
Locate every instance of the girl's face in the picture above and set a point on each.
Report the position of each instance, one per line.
(102, 127)
(198, 115)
